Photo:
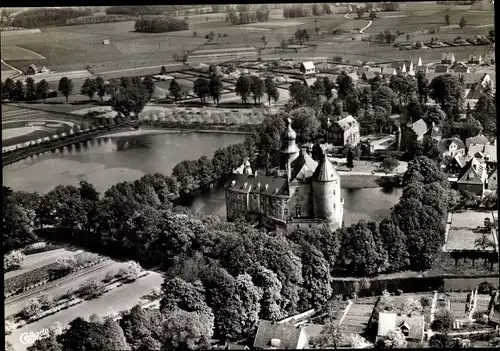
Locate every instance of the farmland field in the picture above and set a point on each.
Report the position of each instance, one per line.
(12, 52)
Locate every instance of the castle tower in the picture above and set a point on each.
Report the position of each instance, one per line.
(289, 149)
(419, 62)
(247, 169)
(328, 203)
(398, 138)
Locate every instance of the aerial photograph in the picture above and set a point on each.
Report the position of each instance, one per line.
(250, 176)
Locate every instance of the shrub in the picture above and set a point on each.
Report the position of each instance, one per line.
(399, 292)
(412, 305)
(40, 247)
(46, 301)
(13, 260)
(91, 288)
(64, 265)
(31, 309)
(443, 321)
(486, 288)
(109, 277)
(132, 272)
(426, 301)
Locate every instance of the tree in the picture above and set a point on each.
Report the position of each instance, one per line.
(92, 288)
(179, 294)
(31, 309)
(149, 84)
(360, 11)
(42, 89)
(64, 265)
(443, 340)
(216, 88)
(30, 89)
(64, 205)
(46, 344)
(175, 89)
(201, 88)
(448, 92)
(300, 95)
(384, 97)
(394, 339)
(305, 123)
(7, 89)
(13, 260)
(485, 112)
(65, 87)
(257, 89)
(373, 15)
(434, 115)
(19, 93)
(195, 34)
(315, 10)
(389, 164)
(163, 71)
(243, 87)
(470, 128)
(317, 280)
(132, 271)
(187, 330)
(350, 159)
(271, 90)
(443, 321)
(447, 19)
(327, 9)
(394, 241)
(17, 225)
(89, 88)
(129, 100)
(462, 23)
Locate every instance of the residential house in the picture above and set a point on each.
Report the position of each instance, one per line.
(106, 42)
(475, 59)
(461, 67)
(412, 326)
(455, 164)
(32, 69)
(476, 84)
(451, 146)
(344, 131)
(310, 81)
(307, 67)
(441, 69)
(368, 75)
(493, 180)
(274, 335)
(478, 139)
(473, 177)
(436, 133)
(423, 69)
(366, 69)
(448, 58)
(389, 71)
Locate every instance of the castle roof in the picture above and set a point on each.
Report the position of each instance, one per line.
(289, 133)
(267, 185)
(303, 166)
(325, 172)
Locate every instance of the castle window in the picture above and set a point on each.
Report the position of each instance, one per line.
(255, 197)
(286, 212)
(297, 211)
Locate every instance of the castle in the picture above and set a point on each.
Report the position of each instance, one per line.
(300, 193)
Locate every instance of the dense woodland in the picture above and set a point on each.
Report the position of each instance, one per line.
(44, 17)
(160, 25)
(246, 15)
(137, 10)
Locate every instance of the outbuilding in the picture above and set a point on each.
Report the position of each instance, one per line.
(307, 67)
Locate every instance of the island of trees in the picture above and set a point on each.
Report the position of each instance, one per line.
(160, 25)
(43, 17)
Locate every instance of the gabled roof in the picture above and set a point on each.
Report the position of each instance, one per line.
(308, 65)
(302, 167)
(444, 144)
(32, 66)
(286, 333)
(419, 127)
(479, 139)
(310, 81)
(461, 160)
(388, 71)
(448, 56)
(347, 122)
(391, 321)
(477, 169)
(370, 75)
(325, 172)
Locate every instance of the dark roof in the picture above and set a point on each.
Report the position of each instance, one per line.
(461, 160)
(286, 333)
(303, 164)
(257, 183)
(472, 166)
(325, 172)
(444, 144)
(441, 69)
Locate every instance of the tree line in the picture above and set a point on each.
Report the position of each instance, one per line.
(137, 10)
(47, 17)
(245, 16)
(100, 19)
(160, 25)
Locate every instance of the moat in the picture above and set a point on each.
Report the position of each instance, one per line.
(106, 161)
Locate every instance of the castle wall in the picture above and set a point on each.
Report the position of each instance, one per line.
(236, 204)
(301, 196)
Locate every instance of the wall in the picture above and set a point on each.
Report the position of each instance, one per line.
(301, 197)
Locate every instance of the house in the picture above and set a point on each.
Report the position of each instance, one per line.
(478, 139)
(32, 69)
(461, 67)
(366, 69)
(307, 67)
(451, 146)
(490, 152)
(274, 335)
(477, 87)
(389, 71)
(493, 180)
(455, 164)
(448, 58)
(44, 70)
(419, 128)
(106, 42)
(368, 75)
(475, 59)
(441, 69)
(473, 177)
(310, 81)
(423, 69)
(344, 131)
(412, 326)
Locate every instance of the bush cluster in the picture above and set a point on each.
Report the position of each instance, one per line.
(160, 25)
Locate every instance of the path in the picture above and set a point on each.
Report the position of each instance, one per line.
(13, 68)
(356, 320)
(139, 68)
(365, 27)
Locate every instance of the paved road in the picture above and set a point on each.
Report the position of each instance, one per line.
(118, 299)
(39, 260)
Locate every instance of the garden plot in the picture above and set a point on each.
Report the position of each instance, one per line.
(462, 233)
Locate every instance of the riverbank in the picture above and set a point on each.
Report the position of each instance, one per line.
(147, 130)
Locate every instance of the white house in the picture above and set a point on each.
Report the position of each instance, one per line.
(307, 67)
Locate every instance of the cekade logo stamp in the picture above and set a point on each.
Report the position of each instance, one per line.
(31, 337)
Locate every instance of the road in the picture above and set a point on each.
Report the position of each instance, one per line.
(64, 284)
(119, 299)
(39, 260)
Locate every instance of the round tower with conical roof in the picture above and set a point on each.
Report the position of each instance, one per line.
(289, 149)
(327, 199)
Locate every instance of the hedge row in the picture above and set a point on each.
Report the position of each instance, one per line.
(100, 19)
(20, 282)
(33, 250)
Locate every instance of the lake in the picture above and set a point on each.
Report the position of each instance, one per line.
(110, 160)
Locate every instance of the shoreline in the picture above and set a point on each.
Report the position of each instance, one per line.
(159, 130)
